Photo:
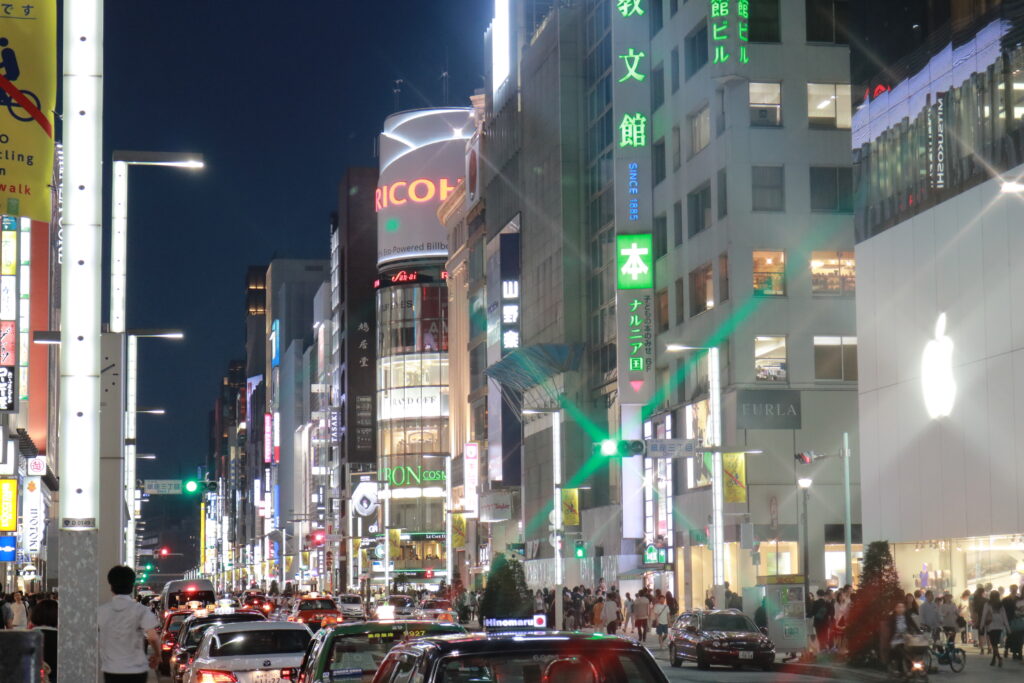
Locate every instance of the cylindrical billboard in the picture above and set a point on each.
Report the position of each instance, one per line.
(422, 161)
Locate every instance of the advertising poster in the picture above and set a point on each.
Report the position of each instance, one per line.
(28, 88)
(394, 543)
(8, 504)
(734, 467)
(458, 531)
(570, 507)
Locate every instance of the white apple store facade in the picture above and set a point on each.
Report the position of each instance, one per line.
(940, 313)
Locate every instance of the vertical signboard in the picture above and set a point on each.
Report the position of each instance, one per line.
(729, 31)
(8, 504)
(471, 478)
(29, 86)
(631, 109)
(10, 306)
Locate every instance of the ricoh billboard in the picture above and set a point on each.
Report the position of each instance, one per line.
(422, 161)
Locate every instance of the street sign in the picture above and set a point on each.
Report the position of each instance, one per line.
(162, 487)
(334, 538)
(671, 448)
(8, 548)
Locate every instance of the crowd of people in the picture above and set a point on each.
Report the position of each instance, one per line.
(37, 611)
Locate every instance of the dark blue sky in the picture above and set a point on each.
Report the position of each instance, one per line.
(280, 96)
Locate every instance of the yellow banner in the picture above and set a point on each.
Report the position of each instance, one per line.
(8, 504)
(28, 96)
(356, 543)
(734, 467)
(570, 507)
(395, 544)
(458, 531)
(288, 559)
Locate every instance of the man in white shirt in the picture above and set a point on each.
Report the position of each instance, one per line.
(931, 620)
(125, 625)
(17, 612)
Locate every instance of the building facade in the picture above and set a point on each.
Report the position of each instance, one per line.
(937, 149)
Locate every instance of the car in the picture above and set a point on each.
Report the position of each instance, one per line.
(435, 610)
(521, 656)
(351, 606)
(249, 652)
(719, 637)
(176, 593)
(258, 601)
(395, 607)
(191, 633)
(169, 634)
(353, 651)
(315, 610)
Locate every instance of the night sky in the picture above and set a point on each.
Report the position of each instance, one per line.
(280, 96)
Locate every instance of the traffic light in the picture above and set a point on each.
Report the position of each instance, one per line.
(191, 486)
(319, 538)
(165, 551)
(806, 458)
(149, 567)
(428, 573)
(623, 448)
(581, 550)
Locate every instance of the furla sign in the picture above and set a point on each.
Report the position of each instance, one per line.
(768, 409)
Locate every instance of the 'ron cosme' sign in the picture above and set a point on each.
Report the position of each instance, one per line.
(768, 409)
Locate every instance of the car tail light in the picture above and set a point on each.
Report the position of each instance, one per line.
(168, 645)
(211, 676)
(291, 674)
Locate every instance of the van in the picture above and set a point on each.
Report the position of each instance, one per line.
(177, 593)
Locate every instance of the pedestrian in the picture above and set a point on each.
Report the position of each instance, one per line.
(627, 626)
(641, 614)
(660, 616)
(948, 616)
(963, 610)
(43, 618)
(597, 614)
(993, 621)
(761, 616)
(610, 615)
(977, 606)
(821, 620)
(673, 605)
(124, 627)
(841, 608)
(17, 611)
(900, 626)
(1010, 639)
(930, 619)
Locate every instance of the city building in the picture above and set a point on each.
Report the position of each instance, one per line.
(421, 163)
(937, 144)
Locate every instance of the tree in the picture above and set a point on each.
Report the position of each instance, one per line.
(506, 594)
(877, 594)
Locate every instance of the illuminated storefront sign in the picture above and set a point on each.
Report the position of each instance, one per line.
(936, 152)
(729, 25)
(8, 504)
(413, 402)
(413, 475)
(268, 437)
(275, 343)
(33, 515)
(471, 478)
(634, 261)
(419, 191)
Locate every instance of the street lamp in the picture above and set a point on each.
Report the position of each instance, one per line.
(717, 483)
(119, 219)
(805, 486)
(556, 487)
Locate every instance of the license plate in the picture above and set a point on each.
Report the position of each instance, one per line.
(746, 654)
(266, 677)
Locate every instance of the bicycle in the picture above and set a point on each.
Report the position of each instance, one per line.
(15, 109)
(946, 652)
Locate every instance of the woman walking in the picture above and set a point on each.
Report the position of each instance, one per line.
(963, 609)
(977, 606)
(993, 620)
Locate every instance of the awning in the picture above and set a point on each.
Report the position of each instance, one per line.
(636, 573)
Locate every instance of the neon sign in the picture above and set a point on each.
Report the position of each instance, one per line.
(633, 130)
(721, 16)
(632, 59)
(419, 191)
(635, 261)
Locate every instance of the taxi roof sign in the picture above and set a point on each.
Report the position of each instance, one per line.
(516, 623)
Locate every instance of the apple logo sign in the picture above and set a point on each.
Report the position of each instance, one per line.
(937, 382)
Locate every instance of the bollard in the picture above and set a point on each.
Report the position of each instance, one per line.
(21, 656)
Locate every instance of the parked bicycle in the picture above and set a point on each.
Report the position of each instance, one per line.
(945, 651)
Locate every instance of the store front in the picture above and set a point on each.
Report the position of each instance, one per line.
(959, 564)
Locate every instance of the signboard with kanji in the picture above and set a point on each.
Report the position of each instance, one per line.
(162, 487)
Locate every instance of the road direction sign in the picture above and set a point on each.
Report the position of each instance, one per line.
(162, 487)
(671, 448)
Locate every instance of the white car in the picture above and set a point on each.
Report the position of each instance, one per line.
(351, 606)
(249, 652)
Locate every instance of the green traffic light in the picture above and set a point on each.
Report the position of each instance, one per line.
(149, 567)
(581, 551)
(609, 447)
(191, 486)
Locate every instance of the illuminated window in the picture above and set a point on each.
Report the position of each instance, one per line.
(833, 272)
(766, 104)
(829, 105)
(769, 273)
(770, 359)
(700, 130)
(835, 358)
(702, 290)
(768, 190)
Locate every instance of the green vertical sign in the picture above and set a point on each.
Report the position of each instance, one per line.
(634, 261)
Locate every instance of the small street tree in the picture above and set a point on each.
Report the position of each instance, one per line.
(868, 618)
(506, 594)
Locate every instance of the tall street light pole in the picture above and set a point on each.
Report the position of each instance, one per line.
(717, 482)
(805, 488)
(556, 500)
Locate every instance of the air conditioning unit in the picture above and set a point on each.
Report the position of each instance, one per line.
(765, 115)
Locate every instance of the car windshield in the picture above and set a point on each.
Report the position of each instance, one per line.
(436, 604)
(196, 631)
(728, 622)
(183, 598)
(364, 651)
(399, 601)
(262, 642)
(578, 667)
(350, 600)
(316, 604)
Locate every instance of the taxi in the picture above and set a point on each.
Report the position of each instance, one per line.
(249, 652)
(522, 656)
(192, 630)
(352, 652)
(315, 611)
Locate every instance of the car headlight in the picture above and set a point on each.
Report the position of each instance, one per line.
(716, 643)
